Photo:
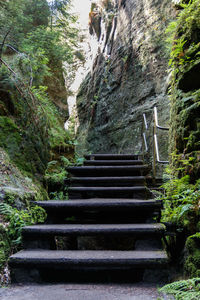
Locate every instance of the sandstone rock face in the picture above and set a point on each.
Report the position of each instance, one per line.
(129, 77)
(57, 91)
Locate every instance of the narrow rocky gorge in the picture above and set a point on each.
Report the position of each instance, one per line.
(118, 214)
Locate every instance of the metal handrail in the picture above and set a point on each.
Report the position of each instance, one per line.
(145, 121)
(144, 133)
(156, 155)
(156, 120)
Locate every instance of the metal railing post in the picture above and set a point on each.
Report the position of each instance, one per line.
(154, 148)
(145, 127)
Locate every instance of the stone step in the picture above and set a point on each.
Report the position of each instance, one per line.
(109, 170)
(36, 231)
(74, 260)
(99, 203)
(100, 210)
(123, 192)
(112, 157)
(112, 162)
(106, 181)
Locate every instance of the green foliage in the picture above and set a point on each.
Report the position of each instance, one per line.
(17, 219)
(55, 177)
(57, 136)
(55, 173)
(61, 195)
(14, 220)
(181, 202)
(78, 161)
(19, 17)
(183, 36)
(184, 289)
(183, 40)
(49, 43)
(192, 257)
(38, 11)
(41, 49)
(41, 36)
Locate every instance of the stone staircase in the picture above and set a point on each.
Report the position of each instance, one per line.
(104, 232)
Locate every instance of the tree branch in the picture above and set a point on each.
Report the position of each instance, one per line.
(4, 40)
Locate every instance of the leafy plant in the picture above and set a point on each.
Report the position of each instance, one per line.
(181, 202)
(59, 195)
(184, 289)
(13, 222)
(17, 219)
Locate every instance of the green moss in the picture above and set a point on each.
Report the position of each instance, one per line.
(4, 247)
(10, 231)
(14, 140)
(192, 261)
(17, 188)
(185, 88)
(10, 137)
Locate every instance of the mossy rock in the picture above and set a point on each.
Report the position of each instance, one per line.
(4, 247)
(192, 260)
(16, 188)
(185, 88)
(10, 137)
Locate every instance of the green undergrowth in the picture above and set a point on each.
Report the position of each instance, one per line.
(56, 175)
(184, 289)
(181, 198)
(181, 203)
(12, 222)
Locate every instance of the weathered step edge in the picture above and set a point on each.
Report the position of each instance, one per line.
(108, 188)
(106, 181)
(94, 229)
(89, 258)
(99, 203)
(109, 170)
(112, 162)
(113, 156)
(110, 178)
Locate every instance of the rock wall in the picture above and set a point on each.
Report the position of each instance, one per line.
(185, 92)
(31, 134)
(129, 76)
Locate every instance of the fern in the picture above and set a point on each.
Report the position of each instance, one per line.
(5, 209)
(184, 289)
(17, 219)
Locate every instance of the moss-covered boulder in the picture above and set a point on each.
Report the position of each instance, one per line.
(192, 257)
(16, 188)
